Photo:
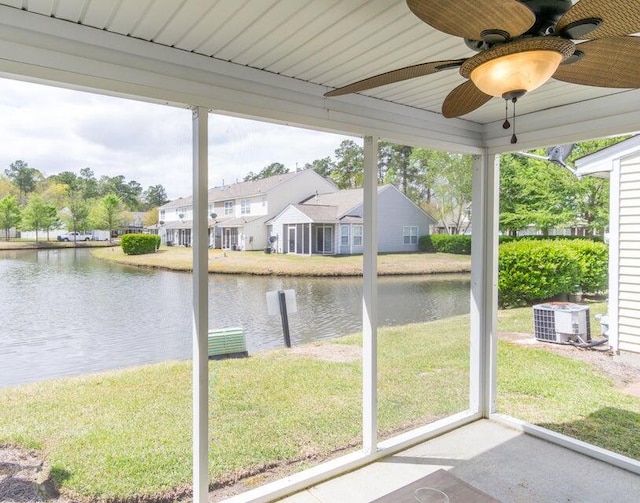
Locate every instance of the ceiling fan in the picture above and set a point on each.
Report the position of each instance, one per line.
(521, 44)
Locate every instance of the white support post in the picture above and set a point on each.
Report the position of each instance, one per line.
(484, 284)
(370, 297)
(200, 308)
(613, 308)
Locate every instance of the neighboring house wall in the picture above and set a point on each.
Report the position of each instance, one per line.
(629, 255)
(334, 223)
(621, 164)
(400, 222)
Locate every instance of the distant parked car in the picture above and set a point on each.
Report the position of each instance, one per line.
(75, 236)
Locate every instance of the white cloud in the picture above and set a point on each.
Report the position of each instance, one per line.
(56, 130)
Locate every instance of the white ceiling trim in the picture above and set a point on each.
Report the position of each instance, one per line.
(50, 50)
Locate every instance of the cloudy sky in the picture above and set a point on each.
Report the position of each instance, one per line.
(56, 130)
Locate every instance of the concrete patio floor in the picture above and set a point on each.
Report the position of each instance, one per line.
(507, 464)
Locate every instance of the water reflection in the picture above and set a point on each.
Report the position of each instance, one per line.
(66, 313)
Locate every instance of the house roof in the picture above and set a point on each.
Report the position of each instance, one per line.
(600, 163)
(318, 213)
(338, 206)
(236, 190)
(237, 222)
(343, 201)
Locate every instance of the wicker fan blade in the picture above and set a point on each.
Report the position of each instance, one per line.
(619, 18)
(463, 99)
(406, 73)
(469, 18)
(607, 62)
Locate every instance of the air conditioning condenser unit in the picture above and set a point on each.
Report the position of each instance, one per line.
(561, 323)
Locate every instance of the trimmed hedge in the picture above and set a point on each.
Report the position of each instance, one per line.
(531, 271)
(459, 244)
(593, 258)
(139, 244)
(536, 270)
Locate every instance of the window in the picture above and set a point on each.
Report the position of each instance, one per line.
(357, 235)
(264, 201)
(228, 208)
(162, 215)
(245, 207)
(410, 235)
(344, 235)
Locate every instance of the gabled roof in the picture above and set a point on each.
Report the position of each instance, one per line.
(343, 201)
(318, 213)
(240, 189)
(251, 188)
(600, 163)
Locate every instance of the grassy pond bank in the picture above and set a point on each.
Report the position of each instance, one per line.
(257, 262)
(126, 435)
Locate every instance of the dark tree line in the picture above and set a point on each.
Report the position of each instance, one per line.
(533, 193)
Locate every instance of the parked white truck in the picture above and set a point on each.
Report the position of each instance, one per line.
(75, 236)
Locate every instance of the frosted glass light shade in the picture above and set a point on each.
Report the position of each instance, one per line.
(522, 71)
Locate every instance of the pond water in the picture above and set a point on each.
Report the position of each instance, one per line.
(65, 313)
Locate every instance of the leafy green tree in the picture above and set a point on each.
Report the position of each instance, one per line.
(67, 178)
(535, 192)
(592, 201)
(150, 217)
(87, 183)
(273, 169)
(24, 177)
(349, 165)
(323, 167)
(77, 214)
(446, 184)
(38, 215)
(399, 169)
(128, 192)
(9, 214)
(52, 219)
(154, 196)
(7, 188)
(107, 213)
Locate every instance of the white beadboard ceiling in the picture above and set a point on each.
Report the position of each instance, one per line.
(328, 43)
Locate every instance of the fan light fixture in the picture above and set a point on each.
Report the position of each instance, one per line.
(515, 74)
(513, 69)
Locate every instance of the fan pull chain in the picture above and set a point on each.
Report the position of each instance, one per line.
(514, 138)
(506, 124)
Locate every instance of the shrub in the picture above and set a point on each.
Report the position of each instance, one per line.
(593, 258)
(532, 270)
(425, 244)
(446, 243)
(138, 244)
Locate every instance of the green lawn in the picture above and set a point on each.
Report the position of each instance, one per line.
(124, 433)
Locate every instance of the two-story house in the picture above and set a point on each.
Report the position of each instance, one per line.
(238, 212)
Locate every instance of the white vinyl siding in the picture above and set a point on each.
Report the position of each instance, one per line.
(629, 255)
